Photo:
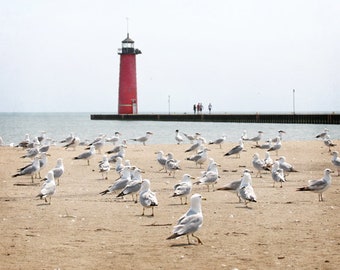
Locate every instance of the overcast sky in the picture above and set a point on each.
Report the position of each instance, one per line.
(242, 56)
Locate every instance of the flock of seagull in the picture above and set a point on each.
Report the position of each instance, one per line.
(130, 181)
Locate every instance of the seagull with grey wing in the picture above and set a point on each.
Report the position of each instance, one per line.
(236, 150)
(183, 188)
(87, 155)
(190, 222)
(319, 186)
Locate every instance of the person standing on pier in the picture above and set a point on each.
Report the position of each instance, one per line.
(209, 108)
(194, 107)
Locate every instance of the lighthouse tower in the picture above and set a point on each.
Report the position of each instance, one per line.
(127, 100)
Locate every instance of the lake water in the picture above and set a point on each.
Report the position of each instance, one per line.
(14, 126)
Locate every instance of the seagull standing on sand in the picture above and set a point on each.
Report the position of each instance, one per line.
(319, 186)
(234, 186)
(161, 159)
(259, 165)
(87, 155)
(58, 170)
(285, 166)
(336, 160)
(246, 191)
(276, 146)
(256, 138)
(30, 170)
(143, 139)
(191, 221)
(104, 167)
(195, 146)
(236, 150)
(48, 188)
(209, 177)
(219, 141)
(147, 198)
(328, 142)
(133, 186)
(178, 137)
(73, 143)
(183, 188)
(120, 183)
(200, 157)
(277, 174)
(171, 164)
(114, 138)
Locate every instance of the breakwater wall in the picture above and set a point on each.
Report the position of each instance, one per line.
(332, 119)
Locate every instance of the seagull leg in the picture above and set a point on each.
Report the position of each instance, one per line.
(143, 211)
(152, 212)
(198, 240)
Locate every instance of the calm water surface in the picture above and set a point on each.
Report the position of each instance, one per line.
(14, 126)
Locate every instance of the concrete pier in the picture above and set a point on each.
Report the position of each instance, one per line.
(329, 119)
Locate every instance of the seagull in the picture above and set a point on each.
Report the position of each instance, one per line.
(195, 146)
(42, 164)
(48, 188)
(68, 139)
(268, 160)
(328, 142)
(256, 138)
(178, 137)
(219, 141)
(278, 174)
(161, 159)
(336, 160)
(104, 167)
(276, 146)
(147, 198)
(236, 150)
(191, 221)
(31, 153)
(285, 166)
(87, 155)
(58, 170)
(30, 170)
(323, 134)
(244, 135)
(171, 165)
(209, 177)
(191, 138)
(246, 191)
(121, 183)
(114, 138)
(25, 142)
(117, 148)
(280, 135)
(143, 139)
(73, 143)
(319, 186)
(234, 186)
(259, 164)
(200, 157)
(266, 145)
(133, 186)
(44, 148)
(121, 154)
(98, 144)
(183, 188)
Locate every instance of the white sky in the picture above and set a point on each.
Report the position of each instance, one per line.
(242, 56)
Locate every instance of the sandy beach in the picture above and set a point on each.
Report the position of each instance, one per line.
(81, 229)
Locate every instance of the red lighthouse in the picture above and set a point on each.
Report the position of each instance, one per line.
(127, 101)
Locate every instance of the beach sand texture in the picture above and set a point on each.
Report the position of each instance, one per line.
(81, 229)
